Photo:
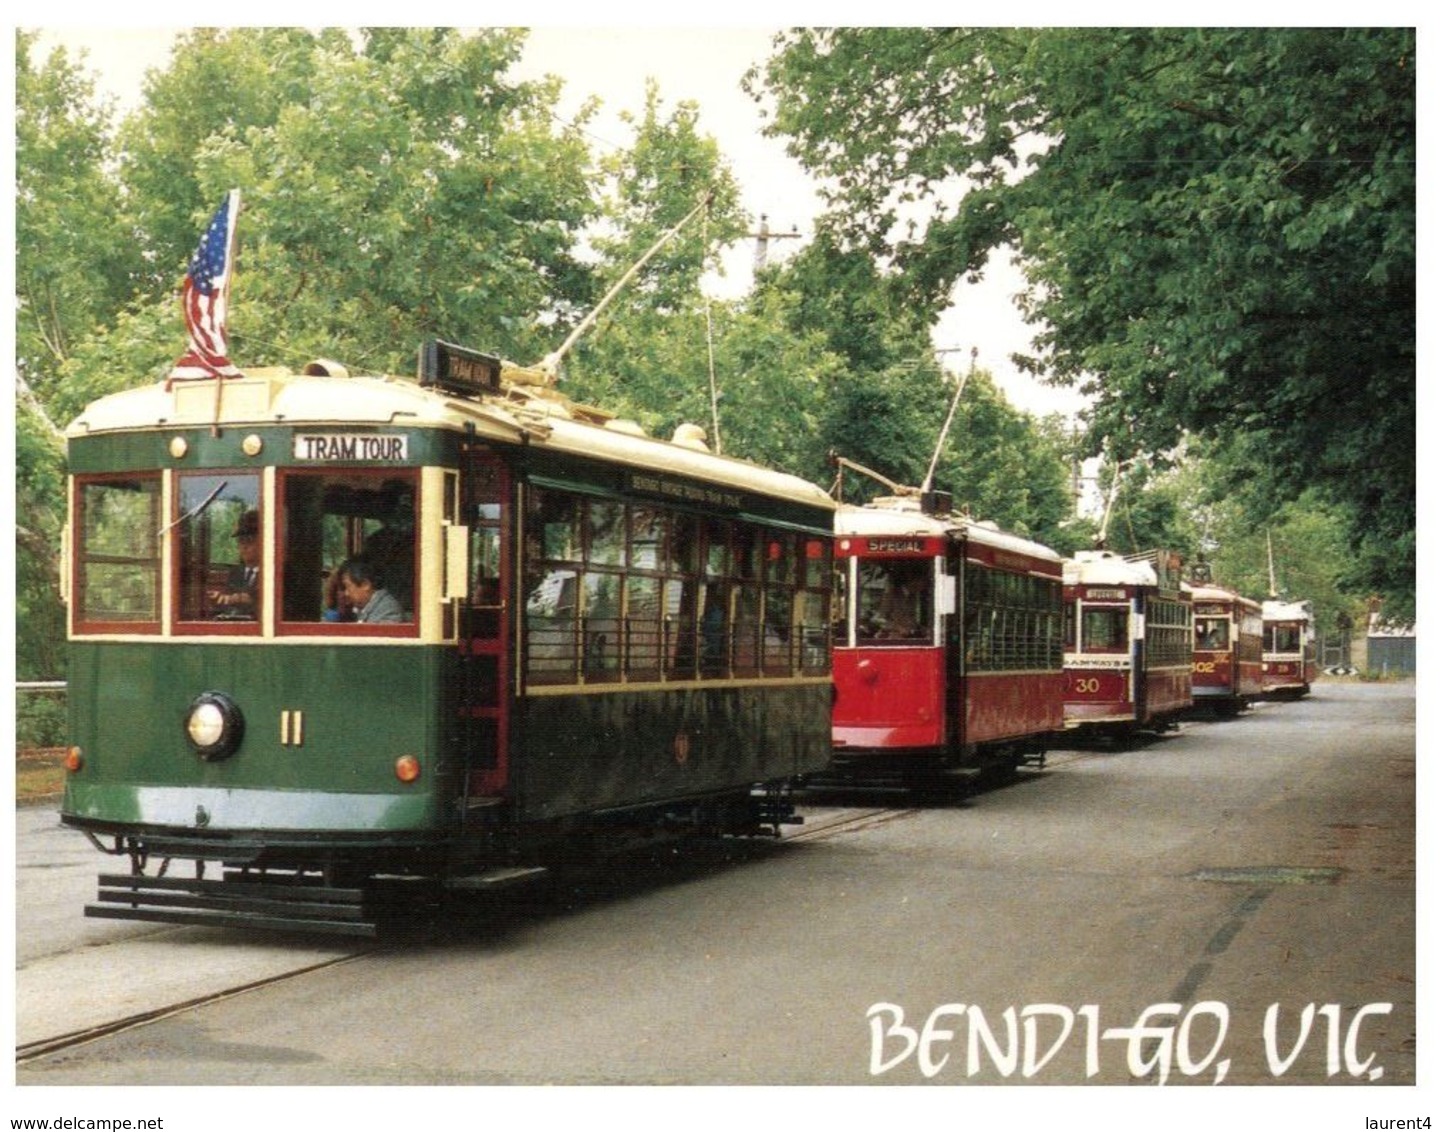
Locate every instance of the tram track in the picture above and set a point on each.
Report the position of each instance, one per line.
(822, 822)
(832, 823)
(45, 1047)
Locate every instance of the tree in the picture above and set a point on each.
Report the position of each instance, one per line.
(1217, 226)
(888, 402)
(71, 272)
(654, 354)
(646, 354)
(220, 84)
(395, 186)
(73, 260)
(1187, 504)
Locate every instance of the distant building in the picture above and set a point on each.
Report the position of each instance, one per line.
(1391, 647)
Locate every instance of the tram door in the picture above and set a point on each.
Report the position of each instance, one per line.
(484, 643)
(1137, 653)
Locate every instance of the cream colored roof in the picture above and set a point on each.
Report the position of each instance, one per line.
(1218, 593)
(901, 516)
(1106, 568)
(1275, 610)
(544, 418)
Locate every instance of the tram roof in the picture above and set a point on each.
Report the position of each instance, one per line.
(1218, 593)
(539, 417)
(1106, 568)
(1275, 609)
(900, 516)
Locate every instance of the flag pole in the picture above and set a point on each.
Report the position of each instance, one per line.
(234, 216)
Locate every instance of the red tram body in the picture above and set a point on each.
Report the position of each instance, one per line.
(1129, 643)
(1227, 669)
(1290, 662)
(948, 648)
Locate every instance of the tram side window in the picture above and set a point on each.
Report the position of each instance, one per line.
(118, 551)
(1250, 636)
(1104, 630)
(219, 547)
(486, 554)
(1169, 642)
(349, 548)
(1013, 621)
(894, 601)
(553, 605)
(620, 591)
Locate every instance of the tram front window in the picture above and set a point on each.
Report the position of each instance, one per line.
(1104, 630)
(219, 543)
(118, 556)
(348, 548)
(894, 601)
(1211, 632)
(1286, 638)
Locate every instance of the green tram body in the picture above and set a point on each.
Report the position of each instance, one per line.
(601, 630)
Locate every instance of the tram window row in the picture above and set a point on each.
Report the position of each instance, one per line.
(619, 591)
(1014, 621)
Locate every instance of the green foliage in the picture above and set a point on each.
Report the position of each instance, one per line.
(1217, 224)
(73, 260)
(888, 404)
(656, 182)
(1190, 504)
(220, 85)
(397, 184)
(1004, 467)
(39, 507)
(40, 720)
(654, 352)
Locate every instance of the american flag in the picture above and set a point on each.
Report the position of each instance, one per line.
(203, 297)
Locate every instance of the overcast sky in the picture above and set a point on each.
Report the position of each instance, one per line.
(704, 65)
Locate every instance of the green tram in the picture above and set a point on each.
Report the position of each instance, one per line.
(337, 637)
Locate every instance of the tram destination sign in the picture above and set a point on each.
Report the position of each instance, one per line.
(351, 447)
(684, 491)
(896, 546)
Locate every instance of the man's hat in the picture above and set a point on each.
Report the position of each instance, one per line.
(248, 525)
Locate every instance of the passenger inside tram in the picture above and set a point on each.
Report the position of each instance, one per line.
(893, 604)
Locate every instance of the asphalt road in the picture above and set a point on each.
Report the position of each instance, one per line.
(1232, 904)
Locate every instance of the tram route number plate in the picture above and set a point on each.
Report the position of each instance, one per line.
(338, 446)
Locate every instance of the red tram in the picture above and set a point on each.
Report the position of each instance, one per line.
(948, 647)
(1290, 662)
(1129, 643)
(1227, 668)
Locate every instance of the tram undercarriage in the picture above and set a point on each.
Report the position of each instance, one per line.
(929, 772)
(371, 890)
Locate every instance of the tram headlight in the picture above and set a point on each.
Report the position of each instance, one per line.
(214, 725)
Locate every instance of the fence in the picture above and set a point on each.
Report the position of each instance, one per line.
(39, 714)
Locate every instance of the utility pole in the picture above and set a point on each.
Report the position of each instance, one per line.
(765, 234)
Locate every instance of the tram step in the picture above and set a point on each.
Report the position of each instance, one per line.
(291, 905)
(494, 878)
